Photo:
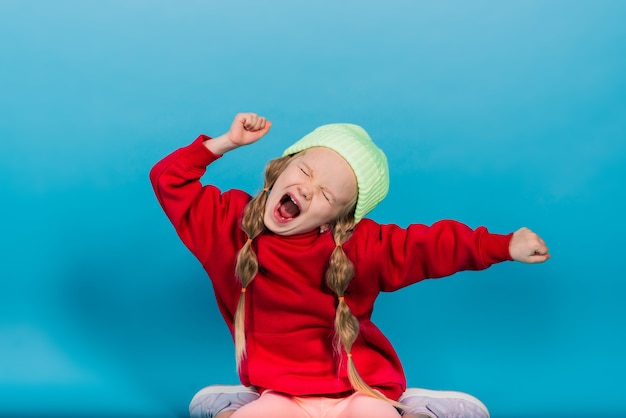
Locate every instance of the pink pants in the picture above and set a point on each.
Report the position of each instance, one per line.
(278, 405)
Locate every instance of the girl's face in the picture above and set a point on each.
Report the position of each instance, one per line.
(312, 191)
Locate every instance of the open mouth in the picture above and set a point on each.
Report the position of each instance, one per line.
(288, 208)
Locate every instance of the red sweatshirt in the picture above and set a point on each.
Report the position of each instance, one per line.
(289, 309)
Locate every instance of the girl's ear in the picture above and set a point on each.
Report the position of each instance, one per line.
(324, 228)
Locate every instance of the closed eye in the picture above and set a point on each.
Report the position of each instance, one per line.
(305, 172)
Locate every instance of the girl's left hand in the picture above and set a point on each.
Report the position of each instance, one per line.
(528, 247)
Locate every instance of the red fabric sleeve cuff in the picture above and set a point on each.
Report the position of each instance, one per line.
(198, 156)
(495, 248)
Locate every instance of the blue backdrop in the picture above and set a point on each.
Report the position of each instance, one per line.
(493, 113)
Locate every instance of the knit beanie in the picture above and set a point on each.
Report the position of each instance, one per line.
(367, 160)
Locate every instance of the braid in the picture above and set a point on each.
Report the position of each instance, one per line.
(339, 274)
(247, 263)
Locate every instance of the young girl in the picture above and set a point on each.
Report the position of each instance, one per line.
(297, 268)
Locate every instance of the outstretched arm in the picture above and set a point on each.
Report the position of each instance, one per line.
(404, 256)
(528, 247)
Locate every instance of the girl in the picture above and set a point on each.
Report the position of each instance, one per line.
(296, 270)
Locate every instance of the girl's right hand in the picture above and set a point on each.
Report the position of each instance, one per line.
(248, 128)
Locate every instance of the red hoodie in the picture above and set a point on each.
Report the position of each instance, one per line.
(289, 309)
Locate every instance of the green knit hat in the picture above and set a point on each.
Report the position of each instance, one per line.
(367, 160)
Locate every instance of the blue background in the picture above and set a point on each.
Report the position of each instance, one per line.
(493, 113)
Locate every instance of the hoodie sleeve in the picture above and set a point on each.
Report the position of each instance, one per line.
(203, 216)
(403, 256)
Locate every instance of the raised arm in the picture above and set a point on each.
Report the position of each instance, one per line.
(201, 213)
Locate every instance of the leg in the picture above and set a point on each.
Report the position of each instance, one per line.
(359, 405)
(439, 404)
(272, 405)
(222, 400)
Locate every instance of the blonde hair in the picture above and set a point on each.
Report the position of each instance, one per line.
(339, 273)
(247, 263)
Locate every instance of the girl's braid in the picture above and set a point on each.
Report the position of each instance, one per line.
(247, 263)
(339, 274)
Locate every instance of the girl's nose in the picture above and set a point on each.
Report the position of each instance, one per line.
(306, 191)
